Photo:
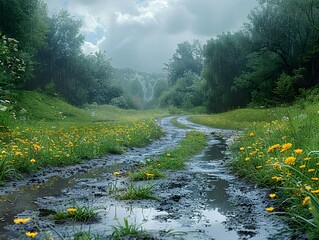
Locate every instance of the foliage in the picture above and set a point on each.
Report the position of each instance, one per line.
(76, 214)
(187, 58)
(128, 230)
(146, 173)
(13, 68)
(136, 192)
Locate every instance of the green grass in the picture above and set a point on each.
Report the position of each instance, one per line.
(50, 132)
(279, 149)
(137, 192)
(129, 231)
(178, 124)
(76, 214)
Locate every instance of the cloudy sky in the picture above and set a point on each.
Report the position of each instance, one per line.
(143, 34)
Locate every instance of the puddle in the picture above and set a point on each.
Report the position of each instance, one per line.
(202, 202)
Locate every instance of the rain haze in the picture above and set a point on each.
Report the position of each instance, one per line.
(143, 34)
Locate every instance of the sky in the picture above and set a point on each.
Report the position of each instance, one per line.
(143, 34)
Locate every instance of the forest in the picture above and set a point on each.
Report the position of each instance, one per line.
(271, 60)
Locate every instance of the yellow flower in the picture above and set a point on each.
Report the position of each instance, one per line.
(150, 175)
(307, 187)
(242, 149)
(311, 170)
(259, 167)
(276, 178)
(270, 209)
(71, 210)
(315, 191)
(21, 220)
(290, 160)
(273, 147)
(307, 158)
(314, 179)
(32, 161)
(251, 134)
(168, 154)
(14, 147)
(285, 147)
(272, 195)
(298, 151)
(247, 159)
(31, 234)
(302, 166)
(116, 173)
(305, 201)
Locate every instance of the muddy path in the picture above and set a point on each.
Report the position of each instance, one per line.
(204, 201)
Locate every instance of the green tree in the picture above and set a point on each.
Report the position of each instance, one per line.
(187, 57)
(225, 59)
(26, 21)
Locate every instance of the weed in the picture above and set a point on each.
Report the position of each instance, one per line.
(129, 231)
(135, 192)
(76, 214)
(146, 173)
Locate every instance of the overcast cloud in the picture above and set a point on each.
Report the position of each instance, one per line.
(143, 34)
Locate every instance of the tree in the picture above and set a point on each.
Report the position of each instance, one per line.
(225, 59)
(187, 57)
(25, 21)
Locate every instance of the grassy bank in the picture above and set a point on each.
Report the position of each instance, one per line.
(279, 149)
(43, 131)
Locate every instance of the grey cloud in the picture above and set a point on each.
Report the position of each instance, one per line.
(144, 34)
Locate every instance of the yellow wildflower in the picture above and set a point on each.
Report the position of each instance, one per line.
(31, 234)
(116, 173)
(305, 201)
(251, 134)
(272, 195)
(311, 170)
(247, 159)
(285, 147)
(32, 161)
(21, 220)
(315, 191)
(168, 154)
(290, 160)
(273, 147)
(259, 167)
(302, 166)
(71, 210)
(314, 179)
(150, 175)
(307, 158)
(307, 187)
(298, 151)
(276, 178)
(270, 209)
(242, 149)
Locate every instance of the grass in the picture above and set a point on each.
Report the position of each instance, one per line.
(172, 159)
(76, 214)
(136, 192)
(129, 231)
(279, 149)
(178, 124)
(49, 132)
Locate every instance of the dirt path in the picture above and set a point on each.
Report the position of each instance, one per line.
(202, 202)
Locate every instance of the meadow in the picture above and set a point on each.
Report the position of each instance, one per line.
(278, 149)
(49, 132)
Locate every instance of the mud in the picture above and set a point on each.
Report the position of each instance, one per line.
(205, 201)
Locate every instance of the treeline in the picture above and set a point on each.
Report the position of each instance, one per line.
(38, 52)
(273, 59)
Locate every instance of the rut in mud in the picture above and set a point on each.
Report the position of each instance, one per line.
(204, 201)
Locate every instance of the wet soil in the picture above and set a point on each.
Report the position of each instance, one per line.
(204, 201)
